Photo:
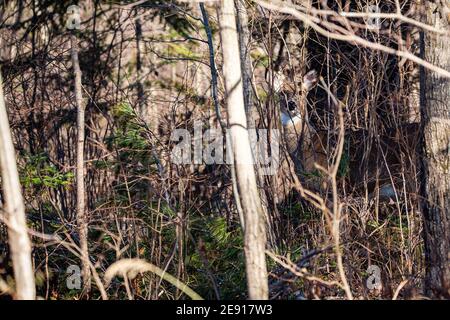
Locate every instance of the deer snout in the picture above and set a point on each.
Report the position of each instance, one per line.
(290, 114)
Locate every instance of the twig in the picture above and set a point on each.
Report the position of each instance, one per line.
(308, 20)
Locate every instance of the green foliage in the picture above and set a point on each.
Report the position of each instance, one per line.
(218, 230)
(38, 171)
(123, 111)
(222, 251)
(182, 51)
(261, 59)
(129, 138)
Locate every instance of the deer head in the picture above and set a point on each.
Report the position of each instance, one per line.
(308, 147)
(292, 97)
(292, 103)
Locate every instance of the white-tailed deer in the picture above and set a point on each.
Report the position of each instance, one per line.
(371, 165)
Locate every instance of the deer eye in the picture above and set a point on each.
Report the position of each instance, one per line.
(291, 106)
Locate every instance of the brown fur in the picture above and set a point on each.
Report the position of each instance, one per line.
(368, 163)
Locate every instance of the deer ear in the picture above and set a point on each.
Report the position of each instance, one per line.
(310, 80)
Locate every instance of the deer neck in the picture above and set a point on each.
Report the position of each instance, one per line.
(287, 120)
(292, 130)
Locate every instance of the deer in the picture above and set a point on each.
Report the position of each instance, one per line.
(376, 165)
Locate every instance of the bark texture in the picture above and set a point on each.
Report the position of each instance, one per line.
(82, 218)
(19, 242)
(255, 237)
(436, 155)
(246, 63)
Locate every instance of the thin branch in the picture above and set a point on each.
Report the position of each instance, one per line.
(308, 20)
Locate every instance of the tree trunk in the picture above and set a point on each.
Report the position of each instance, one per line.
(435, 93)
(255, 237)
(250, 110)
(19, 243)
(82, 218)
(246, 63)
